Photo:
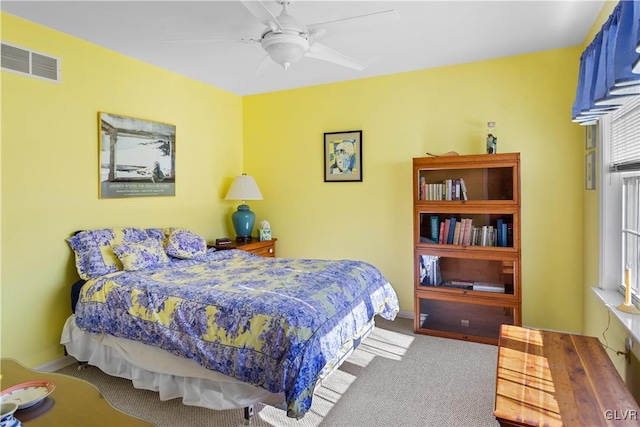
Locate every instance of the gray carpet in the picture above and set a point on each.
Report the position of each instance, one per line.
(395, 378)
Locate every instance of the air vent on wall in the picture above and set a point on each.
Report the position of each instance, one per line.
(30, 63)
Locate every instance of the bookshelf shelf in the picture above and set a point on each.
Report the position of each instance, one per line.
(467, 245)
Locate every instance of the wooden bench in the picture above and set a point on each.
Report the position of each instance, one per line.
(556, 379)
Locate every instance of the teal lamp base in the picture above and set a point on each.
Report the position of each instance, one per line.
(243, 220)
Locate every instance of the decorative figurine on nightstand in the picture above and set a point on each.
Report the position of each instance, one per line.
(265, 231)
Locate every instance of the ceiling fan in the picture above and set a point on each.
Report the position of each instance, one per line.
(286, 40)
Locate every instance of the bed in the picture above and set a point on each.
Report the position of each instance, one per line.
(220, 329)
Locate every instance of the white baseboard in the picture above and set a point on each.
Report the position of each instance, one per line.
(405, 314)
(54, 365)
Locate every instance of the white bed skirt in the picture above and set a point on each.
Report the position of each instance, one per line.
(171, 376)
(151, 368)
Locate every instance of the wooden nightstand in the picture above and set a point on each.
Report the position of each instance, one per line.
(265, 248)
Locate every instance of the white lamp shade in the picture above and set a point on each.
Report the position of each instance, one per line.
(244, 187)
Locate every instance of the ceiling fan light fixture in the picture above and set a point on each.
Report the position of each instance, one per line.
(284, 49)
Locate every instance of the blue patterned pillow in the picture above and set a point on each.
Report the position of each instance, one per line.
(136, 256)
(155, 233)
(161, 234)
(94, 249)
(184, 244)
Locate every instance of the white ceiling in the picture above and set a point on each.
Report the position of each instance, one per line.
(427, 34)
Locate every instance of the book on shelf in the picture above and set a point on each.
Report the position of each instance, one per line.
(463, 187)
(463, 224)
(501, 233)
(489, 287)
(470, 232)
(430, 270)
(474, 236)
(456, 233)
(466, 233)
(452, 230)
(448, 189)
(447, 224)
(461, 231)
(460, 284)
(435, 228)
(485, 236)
(504, 235)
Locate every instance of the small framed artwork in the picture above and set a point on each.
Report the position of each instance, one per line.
(591, 134)
(343, 156)
(590, 170)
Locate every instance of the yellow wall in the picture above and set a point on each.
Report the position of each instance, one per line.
(50, 171)
(404, 116)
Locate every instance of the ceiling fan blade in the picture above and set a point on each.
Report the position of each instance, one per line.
(325, 53)
(209, 40)
(264, 15)
(355, 23)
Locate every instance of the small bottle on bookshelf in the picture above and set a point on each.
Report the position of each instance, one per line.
(492, 139)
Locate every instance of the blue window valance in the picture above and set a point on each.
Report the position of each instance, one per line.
(610, 65)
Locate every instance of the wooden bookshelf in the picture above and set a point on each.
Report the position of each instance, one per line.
(467, 283)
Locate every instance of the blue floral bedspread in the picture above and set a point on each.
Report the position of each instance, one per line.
(271, 322)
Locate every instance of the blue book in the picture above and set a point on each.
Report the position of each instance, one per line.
(452, 228)
(499, 230)
(435, 228)
(504, 234)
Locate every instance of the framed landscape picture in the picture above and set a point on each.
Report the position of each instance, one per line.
(343, 156)
(137, 157)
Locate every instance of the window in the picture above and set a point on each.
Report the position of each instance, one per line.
(620, 198)
(630, 230)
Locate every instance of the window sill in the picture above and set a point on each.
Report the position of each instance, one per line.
(612, 299)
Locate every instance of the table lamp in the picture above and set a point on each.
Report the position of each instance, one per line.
(243, 188)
